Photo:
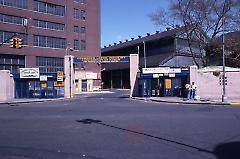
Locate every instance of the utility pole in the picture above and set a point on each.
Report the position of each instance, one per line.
(144, 54)
(70, 67)
(138, 51)
(223, 60)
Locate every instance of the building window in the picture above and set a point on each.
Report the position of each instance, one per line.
(75, 13)
(49, 25)
(81, 1)
(83, 44)
(15, 3)
(50, 64)
(76, 45)
(12, 62)
(83, 15)
(76, 29)
(83, 30)
(11, 19)
(5, 35)
(46, 41)
(49, 8)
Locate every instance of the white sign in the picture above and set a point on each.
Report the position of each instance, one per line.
(60, 76)
(163, 70)
(155, 75)
(29, 72)
(90, 75)
(172, 75)
(43, 78)
(156, 70)
(175, 70)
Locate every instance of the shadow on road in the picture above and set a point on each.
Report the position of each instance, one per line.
(222, 151)
(93, 121)
(229, 150)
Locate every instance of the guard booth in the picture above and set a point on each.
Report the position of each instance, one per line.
(163, 82)
(30, 84)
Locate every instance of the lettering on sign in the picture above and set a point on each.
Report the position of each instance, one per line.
(175, 70)
(172, 75)
(156, 70)
(101, 59)
(162, 70)
(44, 85)
(90, 75)
(58, 84)
(60, 76)
(29, 72)
(43, 78)
(168, 83)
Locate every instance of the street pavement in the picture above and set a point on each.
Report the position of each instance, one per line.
(112, 126)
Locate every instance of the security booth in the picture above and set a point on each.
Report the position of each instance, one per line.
(29, 83)
(163, 82)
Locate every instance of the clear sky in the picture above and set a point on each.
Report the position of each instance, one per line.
(124, 19)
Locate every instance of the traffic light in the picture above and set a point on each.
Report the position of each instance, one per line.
(13, 43)
(19, 43)
(16, 43)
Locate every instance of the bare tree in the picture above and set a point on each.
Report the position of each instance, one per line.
(206, 16)
(232, 53)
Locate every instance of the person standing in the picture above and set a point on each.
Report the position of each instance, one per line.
(194, 89)
(188, 88)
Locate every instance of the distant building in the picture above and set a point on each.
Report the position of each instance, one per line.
(168, 48)
(49, 29)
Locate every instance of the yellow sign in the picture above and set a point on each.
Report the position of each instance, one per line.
(59, 73)
(168, 83)
(44, 84)
(60, 76)
(58, 84)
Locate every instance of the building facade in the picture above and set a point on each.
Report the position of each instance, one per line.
(162, 49)
(49, 29)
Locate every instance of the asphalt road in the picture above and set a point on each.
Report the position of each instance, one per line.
(112, 126)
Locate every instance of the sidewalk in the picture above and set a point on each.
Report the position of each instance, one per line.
(37, 100)
(29, 100)
(185, 101)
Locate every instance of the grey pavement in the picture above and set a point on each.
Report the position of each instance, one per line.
(112, 126)
(175, 100)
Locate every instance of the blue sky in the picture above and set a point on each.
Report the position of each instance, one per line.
(124, 19)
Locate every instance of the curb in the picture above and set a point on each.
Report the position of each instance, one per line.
(182, 102)
(235, 104)
(32, 101)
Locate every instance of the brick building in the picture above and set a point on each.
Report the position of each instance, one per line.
(50, 29)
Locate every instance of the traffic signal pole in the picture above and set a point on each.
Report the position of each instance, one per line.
(8, 39)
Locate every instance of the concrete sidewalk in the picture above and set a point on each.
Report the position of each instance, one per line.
(185, 101)
(29, 100)
(37, 100)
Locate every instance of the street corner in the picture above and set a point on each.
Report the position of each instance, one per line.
(235, 104)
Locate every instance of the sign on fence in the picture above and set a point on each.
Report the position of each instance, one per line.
(101, 59)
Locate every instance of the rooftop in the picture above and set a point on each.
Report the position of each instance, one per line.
(169, 33)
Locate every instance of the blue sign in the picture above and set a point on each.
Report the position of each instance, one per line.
(101, 59)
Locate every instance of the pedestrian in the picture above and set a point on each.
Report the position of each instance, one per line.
(194, 89)
(188, 90)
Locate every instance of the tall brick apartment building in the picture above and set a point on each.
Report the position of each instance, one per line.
(50, 29)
